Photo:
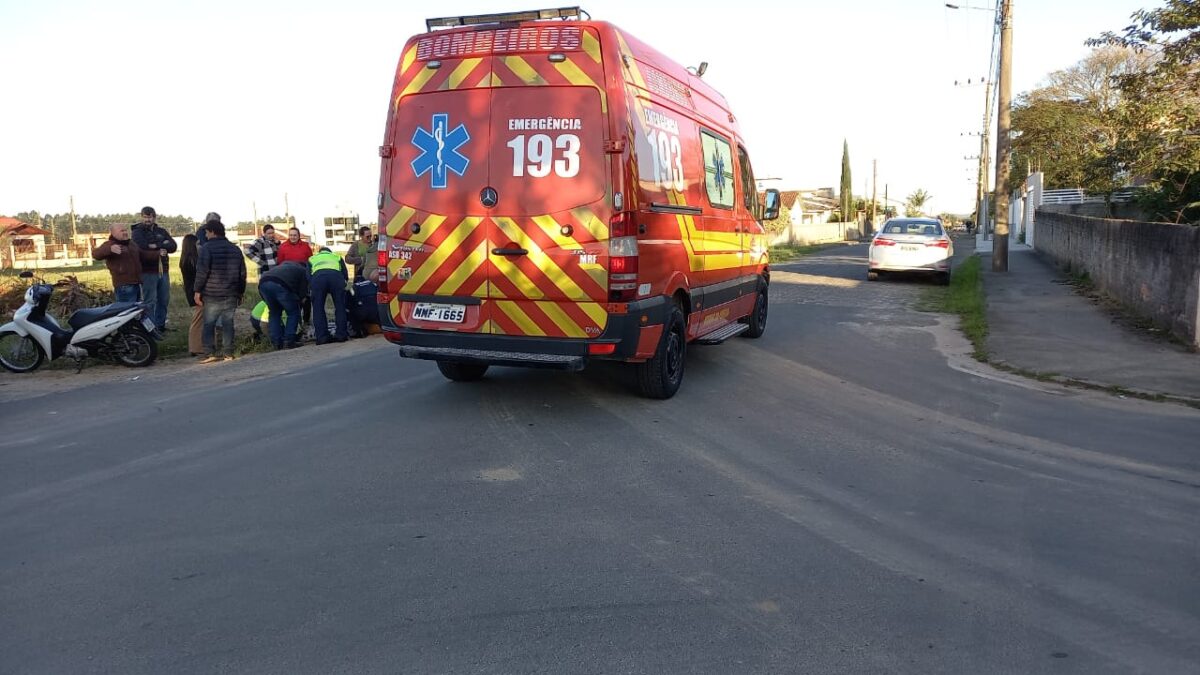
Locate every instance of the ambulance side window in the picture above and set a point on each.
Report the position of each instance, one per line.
(718, 169)
(749, 188)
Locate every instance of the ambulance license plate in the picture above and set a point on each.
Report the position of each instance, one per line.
(430, 311)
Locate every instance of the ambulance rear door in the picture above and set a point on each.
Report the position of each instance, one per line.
(550, 174)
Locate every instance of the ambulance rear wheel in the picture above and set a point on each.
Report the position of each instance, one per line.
(661, 376)
(462, 372)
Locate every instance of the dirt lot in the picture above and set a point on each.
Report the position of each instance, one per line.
(187, 370)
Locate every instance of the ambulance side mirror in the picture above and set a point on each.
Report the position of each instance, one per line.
(771, 205)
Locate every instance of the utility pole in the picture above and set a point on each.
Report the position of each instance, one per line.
(1003, 140)
(874, 188)
(72, 220)
(981, 188)
(254, 208)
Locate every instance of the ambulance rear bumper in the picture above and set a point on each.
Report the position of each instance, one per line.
(618, 342)
(495, 357)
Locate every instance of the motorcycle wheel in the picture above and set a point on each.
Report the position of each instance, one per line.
(132, 346)
(19, 353)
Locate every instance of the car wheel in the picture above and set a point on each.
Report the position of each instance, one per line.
(661, 376)
(462, 372)
(943, 278)
(758, 318)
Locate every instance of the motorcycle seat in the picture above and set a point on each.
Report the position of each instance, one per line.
(83, 317)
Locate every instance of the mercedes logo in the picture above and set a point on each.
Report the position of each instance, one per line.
(489, 197)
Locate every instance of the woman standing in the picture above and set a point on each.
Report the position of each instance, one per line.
(187, 264)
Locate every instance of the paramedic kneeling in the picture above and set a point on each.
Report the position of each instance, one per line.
(281, 288)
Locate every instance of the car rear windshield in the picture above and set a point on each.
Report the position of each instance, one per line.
(914, 227)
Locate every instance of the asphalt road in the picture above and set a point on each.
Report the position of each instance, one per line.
(841, 496)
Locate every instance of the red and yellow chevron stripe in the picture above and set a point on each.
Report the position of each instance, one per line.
(579, 68)
(558, 289)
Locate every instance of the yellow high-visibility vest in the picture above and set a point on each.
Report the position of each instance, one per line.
(326, 260)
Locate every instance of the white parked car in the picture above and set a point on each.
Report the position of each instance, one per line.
(911, 245)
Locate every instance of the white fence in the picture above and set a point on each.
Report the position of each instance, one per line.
(1023, 205)
(1078, 196)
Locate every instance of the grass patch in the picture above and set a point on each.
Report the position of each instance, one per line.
(964, 298)
(786, 252)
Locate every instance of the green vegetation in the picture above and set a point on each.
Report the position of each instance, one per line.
(846, 194)
(915, 204)
(964, 297)
(781, 223)
(59, 225)
(1126, 114)
(785, 252)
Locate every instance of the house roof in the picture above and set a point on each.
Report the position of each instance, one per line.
(14, 226)
(808, 200)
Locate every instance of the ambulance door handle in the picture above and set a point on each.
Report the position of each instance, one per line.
(509, 251)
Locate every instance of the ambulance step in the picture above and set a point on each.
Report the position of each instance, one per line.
(493, 357)
(722, 334)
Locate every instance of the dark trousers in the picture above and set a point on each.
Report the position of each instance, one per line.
(218, 310)
(326, 283)
(280, 301)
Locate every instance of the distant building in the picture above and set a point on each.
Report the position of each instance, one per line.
(341, 231)
(810, 206)
(21, 244)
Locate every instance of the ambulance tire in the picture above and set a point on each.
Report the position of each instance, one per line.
(758, 318)
(661, 376)
(462, 372)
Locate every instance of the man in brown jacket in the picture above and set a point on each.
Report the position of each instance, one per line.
(124, 261)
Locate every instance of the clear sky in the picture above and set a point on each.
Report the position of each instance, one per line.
(221, 105)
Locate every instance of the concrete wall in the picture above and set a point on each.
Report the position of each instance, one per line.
(803, 234)
(1120, 210)
(1153, 269)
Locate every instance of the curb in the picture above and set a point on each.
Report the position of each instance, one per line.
(1080, 383)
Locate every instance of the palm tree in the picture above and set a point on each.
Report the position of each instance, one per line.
(913, 205)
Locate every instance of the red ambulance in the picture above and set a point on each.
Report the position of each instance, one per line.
(554, 190)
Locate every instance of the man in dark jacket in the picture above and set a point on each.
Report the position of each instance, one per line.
(220, 285)
(156, 278)
(282, 288)
(124, 260)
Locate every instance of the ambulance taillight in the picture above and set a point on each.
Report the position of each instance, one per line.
(622, 258)
(381, 257)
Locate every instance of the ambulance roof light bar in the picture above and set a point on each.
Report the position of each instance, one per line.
(564, 13)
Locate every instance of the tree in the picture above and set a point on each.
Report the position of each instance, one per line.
(1160, 108)
(913, 205)
(1071, 127)
(1094, 79)
(781, 223)
(846, 194)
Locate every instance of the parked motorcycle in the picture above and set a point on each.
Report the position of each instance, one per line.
(119, 332)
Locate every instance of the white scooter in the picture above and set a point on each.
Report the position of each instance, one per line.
(120, 331)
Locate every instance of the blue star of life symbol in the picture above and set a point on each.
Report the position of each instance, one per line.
(719, 163)
(439, 150)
